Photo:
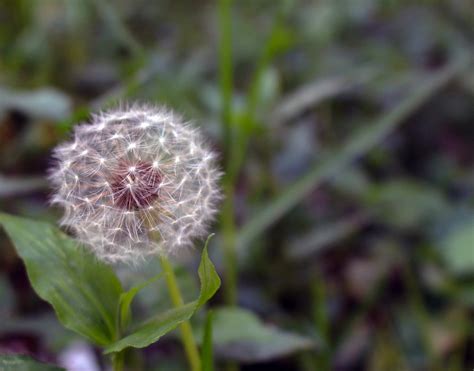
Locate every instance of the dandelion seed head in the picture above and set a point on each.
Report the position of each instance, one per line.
(135, 182)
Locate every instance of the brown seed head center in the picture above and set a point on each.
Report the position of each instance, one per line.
(135, 186)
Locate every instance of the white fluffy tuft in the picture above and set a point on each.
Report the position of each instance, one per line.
(136, 182)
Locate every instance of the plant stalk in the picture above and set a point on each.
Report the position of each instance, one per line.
(118, 361)
(229, 244)
(229, 131)
(187, 337)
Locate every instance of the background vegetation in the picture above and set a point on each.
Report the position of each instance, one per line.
(346, 133)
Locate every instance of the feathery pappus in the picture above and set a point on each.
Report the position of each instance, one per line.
(135, 182)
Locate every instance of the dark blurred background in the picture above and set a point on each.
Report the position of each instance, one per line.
(354, 203)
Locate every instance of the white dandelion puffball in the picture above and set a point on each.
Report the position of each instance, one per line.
(136, 182)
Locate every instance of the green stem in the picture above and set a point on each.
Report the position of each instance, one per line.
(187, 336)
(226, 87)
(225, 71)
(239, 133)
(229, 244)
(118, 361)
(118, 358)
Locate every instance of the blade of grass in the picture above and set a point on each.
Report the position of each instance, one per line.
(236, 133)
(225, 70)
(269, 51)
(358, 145)
(226, 88)
(246, 123)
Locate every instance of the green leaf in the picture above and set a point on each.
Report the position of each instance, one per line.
(458, 248)
(151, 330)
(83, 291)
(239, 335)
(24, 363)
(126, 299)
(210, 281)
(359, 144)
(207, 361)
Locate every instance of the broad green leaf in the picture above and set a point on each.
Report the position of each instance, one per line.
(24, 363)
(458, 248)
(334, 162)
(238, 334)
(207, 358)
(126, 299)
(83, 291)
(150, 331)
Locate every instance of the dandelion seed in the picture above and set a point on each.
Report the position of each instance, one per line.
(144, 198)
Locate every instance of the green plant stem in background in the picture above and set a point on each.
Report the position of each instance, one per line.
(225, 71)
(118, 358)
(207, 351)
(236, 136)
(187, 336)
(226, 87)
(118, 361)
(247, 123)
(230, 245)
